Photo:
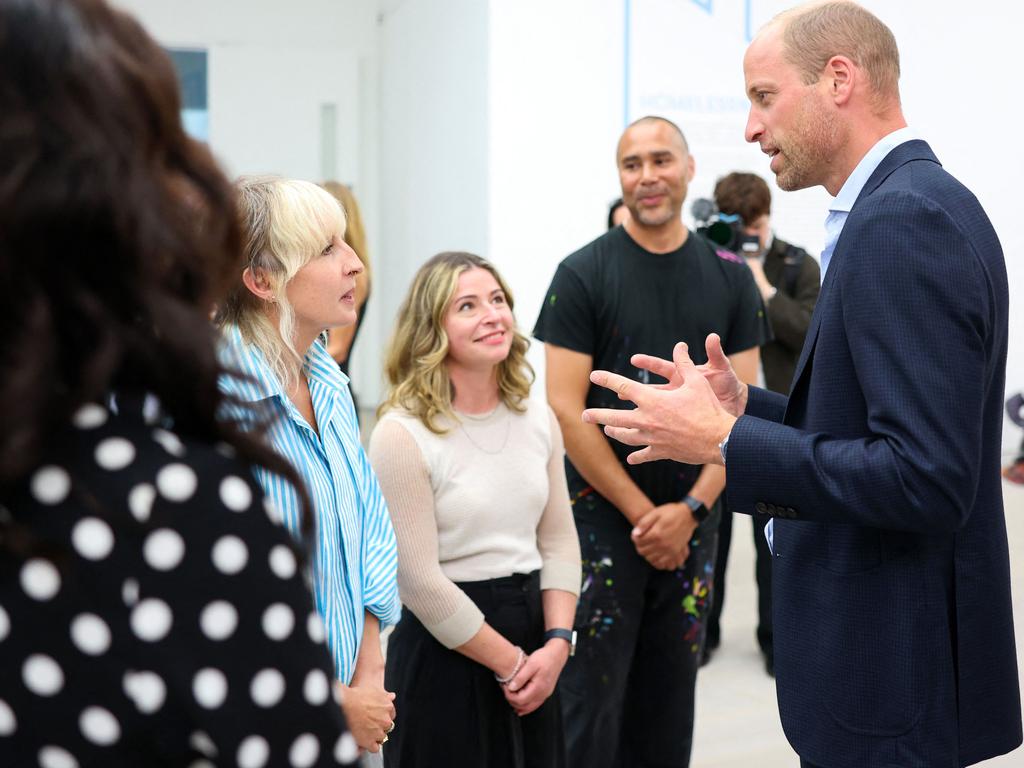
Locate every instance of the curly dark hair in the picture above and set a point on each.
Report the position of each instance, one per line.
(118, 233)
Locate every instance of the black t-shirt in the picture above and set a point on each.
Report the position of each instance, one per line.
(613, 299)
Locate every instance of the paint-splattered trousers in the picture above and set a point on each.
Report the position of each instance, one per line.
(628, 693)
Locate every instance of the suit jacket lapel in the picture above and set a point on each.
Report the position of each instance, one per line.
(904, 153)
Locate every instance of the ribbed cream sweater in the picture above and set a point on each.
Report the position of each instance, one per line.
(486, 499)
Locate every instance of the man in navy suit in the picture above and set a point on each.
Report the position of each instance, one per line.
(893, 623)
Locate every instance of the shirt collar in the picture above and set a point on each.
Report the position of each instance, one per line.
(249, 378)
(855, 183)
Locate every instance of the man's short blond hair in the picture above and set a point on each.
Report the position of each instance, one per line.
(815, 33)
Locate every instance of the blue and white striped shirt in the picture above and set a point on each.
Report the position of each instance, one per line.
(355, 565)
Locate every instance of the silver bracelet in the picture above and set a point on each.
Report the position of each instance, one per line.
(520, 660)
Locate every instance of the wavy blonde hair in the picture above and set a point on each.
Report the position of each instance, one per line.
(355, 232)
(286, 223)
(414, 362)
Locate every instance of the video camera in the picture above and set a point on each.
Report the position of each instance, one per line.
(724, 229)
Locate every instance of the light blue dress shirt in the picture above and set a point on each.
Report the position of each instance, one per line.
(356, 559)
(840, 209)
(851, 189)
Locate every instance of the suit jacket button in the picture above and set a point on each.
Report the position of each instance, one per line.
(760, 507)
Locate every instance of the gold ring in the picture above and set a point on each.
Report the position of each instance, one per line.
(390, 727)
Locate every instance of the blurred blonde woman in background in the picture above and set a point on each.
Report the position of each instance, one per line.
(300, 279)
(341, 340)
(489, 562)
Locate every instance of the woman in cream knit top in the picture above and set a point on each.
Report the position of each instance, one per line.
(496, 486)
(489, 560)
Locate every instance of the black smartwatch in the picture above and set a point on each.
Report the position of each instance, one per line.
(700, 512)
(569, 635)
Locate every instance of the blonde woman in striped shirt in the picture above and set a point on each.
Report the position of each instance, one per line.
(299, 280)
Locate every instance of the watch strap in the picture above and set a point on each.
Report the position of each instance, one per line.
(700, 512)
(569, 635)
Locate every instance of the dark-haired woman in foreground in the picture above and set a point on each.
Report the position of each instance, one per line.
(150, 612)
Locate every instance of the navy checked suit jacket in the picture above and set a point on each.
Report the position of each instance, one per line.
(893, 624)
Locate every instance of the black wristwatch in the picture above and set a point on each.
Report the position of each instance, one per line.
(569, 635)
(700, 512)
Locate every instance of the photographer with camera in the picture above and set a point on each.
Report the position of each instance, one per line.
(789, 280)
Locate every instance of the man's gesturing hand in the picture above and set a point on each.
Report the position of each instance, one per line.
(685, 423)
(730, 391)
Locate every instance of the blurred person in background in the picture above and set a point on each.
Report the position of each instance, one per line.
(1014, 471)
(146, 601)
(789, 281)
(299, 279)
(617, 213)
(489, 563)
(341, 340)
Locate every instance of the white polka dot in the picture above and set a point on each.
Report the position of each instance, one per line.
(210, 687)
(5, 624)
(253, 752)
(40, 579)
(146, 689)
(115, 453)
(151, 409)
(55, 757)
(315, 627)
(90, 416)
(99, 726)
(8, 722)
(42, 675)
(50, 485)
(92, 538)
(346, 750)
(170, 442)
(226, 450)
(163, 549)
(176, 482)
(151, 619)
(140, 501)
(202, 743)
(235, 493)
(272, 511)
(230, 554)
(278, 621)
(218, 620)
(282, 562)
(267, 687)
(304, 752)
(90, 634)
(130, 592)
(316, 687)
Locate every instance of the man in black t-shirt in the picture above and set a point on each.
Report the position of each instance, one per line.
(647, 537)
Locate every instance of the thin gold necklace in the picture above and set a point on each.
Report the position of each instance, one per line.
(504, 442)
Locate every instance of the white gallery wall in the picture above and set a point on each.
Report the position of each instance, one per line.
(490, 125)
(561, 73)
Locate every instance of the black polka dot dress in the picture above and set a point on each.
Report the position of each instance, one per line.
(153, 612)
